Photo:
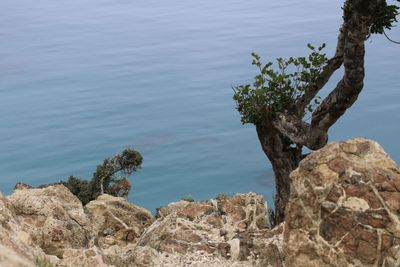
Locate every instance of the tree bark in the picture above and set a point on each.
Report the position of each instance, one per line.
(284, 159)
(350, 86)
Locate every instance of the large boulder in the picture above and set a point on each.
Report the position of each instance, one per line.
(115, 221)
(344, 208)
(53, 217)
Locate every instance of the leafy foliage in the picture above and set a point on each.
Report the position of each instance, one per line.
(383, 15)
(109, 176)
(80, 188)
(275, 91)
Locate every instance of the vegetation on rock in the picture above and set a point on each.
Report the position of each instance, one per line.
(109, 177)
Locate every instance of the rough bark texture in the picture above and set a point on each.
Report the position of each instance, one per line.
(350, 86)
(284, 160)
(283, 138)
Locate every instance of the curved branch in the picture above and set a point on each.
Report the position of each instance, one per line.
(333, 64)
(350, 51)
(300, 132)
(348, 89)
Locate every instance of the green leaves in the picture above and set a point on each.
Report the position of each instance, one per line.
(277, 90)
(384, 16)
(109, 175)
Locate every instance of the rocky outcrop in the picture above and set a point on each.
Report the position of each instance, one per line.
(53, 217)
(344, 208)
(16, 246)
(83, 257)
(51, 225)
(116, 221)
(233, 228)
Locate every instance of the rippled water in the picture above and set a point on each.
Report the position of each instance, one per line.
(82, 79)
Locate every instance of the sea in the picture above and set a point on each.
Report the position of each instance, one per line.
(80, 80)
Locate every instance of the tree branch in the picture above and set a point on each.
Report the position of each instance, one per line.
(333, 64)
(300, 132)
(348, 89)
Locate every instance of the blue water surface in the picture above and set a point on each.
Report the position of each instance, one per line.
(82, 79)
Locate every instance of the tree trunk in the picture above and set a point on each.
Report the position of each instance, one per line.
(284, 159)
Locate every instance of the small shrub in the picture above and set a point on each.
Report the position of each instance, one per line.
(108, 178)
(188, 198)
(278, 90)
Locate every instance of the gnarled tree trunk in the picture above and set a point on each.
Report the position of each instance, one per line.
(284, 159)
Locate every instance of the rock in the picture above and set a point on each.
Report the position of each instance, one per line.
(141, 257)
(16, 246)
(53, 217)
(172, 207)
(344, 208)
(224, 227)
(264, 245)
(92, 257)
(115, 221)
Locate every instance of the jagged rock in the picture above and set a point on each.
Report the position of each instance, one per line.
(223, 227)
(53, 217)
(116, 221)
(92, 257)
(141, 257)
(344, 208)
(16, 246)
(172, 207)
(264, 245)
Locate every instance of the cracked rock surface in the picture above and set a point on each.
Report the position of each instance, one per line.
(344, 208)
(227, 228)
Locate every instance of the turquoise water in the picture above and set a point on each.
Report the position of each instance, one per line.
(82, 79)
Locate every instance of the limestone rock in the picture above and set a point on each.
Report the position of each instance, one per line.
(141, 257)
(53, 217)
(92, 257)
(344, 208)
(232, 228)
(16, 246)
(116, 221)
(172, 207)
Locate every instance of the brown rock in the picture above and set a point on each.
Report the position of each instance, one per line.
(83, 258)
(16, 245)
(229, 227)
(172, 207)
(53, 217)
(343, 209)
(196, 210)
(116, 221)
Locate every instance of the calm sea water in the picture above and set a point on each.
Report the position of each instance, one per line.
(82, 79)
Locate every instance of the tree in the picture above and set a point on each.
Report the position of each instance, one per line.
(108, 178)
(278, 101)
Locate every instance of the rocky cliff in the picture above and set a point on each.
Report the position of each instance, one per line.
(344, 210)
